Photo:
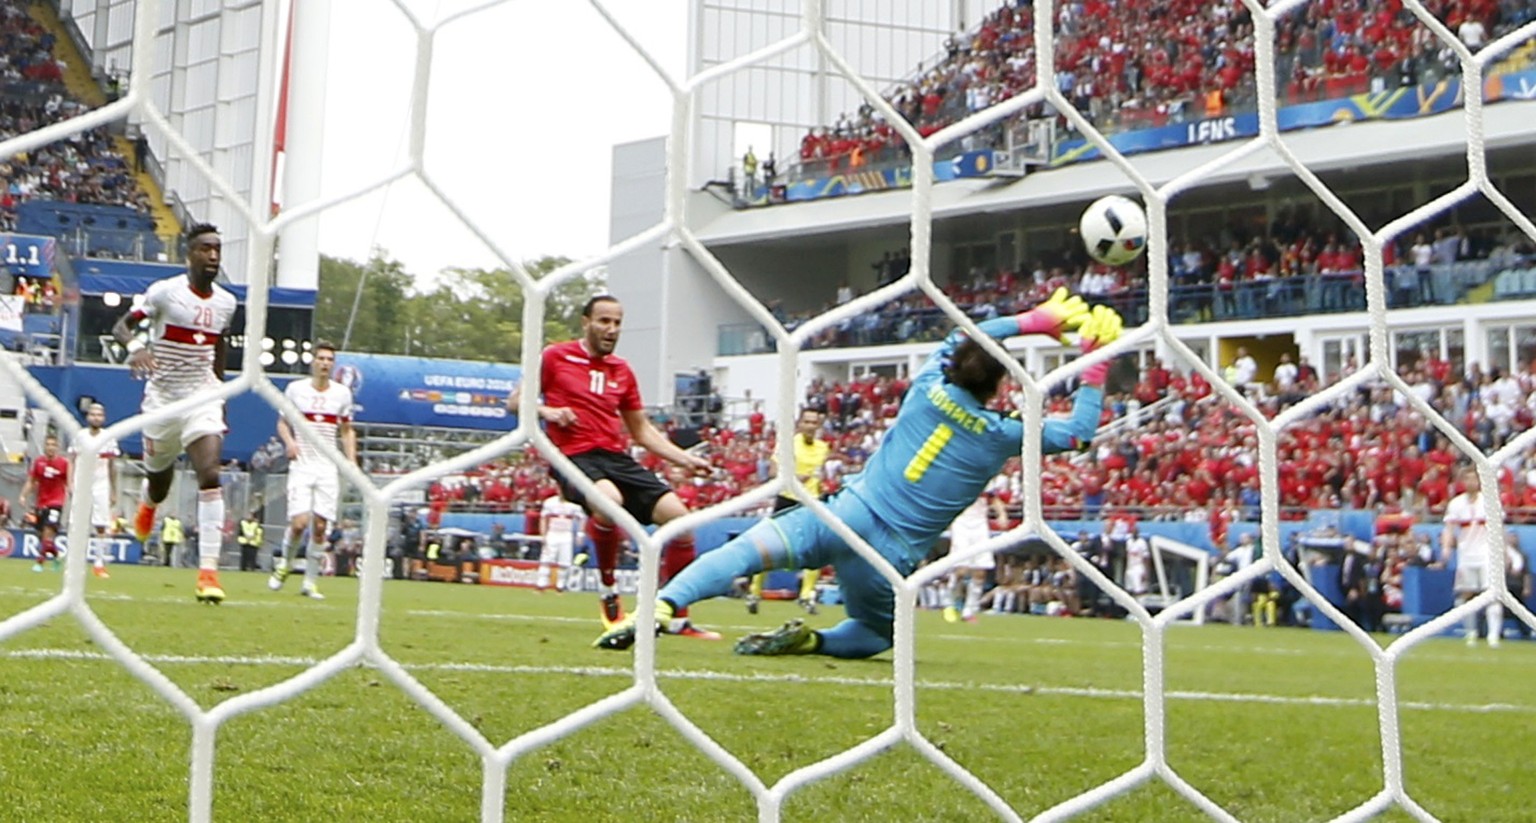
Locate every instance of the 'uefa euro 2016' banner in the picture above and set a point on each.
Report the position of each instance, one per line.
(415, 391)
(1398, 104)
(23, 544)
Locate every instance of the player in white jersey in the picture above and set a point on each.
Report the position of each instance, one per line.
(103, 485)
(183, 353)
(314, 484)
(971, 528)
(1465, 538)
(562, 524)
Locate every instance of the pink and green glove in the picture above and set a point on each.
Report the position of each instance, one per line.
(1101, 327)
(1055, 317)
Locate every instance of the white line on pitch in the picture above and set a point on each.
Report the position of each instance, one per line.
(734, 677)
(284, 602)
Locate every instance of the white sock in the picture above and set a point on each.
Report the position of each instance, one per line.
(972, 597)
(210, 528)
(284, 558)
(1495, 615)
(312, 563)
(97, 550)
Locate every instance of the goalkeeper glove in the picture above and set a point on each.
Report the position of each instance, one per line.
(1055, 317)
(1101, 327)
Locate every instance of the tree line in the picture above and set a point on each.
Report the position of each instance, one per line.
(466, 314)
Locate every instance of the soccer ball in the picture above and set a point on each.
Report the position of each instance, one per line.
(1114, 230)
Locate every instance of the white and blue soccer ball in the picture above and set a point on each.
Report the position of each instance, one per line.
(1114, 230)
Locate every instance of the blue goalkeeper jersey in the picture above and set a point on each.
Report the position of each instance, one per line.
(945, 446)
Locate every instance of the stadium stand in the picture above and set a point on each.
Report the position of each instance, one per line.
(1128, 66)
(81, 189)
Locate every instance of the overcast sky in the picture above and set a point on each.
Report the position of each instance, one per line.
(527, 101)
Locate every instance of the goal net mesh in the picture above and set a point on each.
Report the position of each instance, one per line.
(497, 756)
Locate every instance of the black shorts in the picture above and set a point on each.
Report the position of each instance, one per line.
(782, 503)
(640, 489)
(49, 516)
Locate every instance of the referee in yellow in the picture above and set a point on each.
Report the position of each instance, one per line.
(810, 453)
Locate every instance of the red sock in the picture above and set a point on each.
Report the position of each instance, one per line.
(47, 551)
(677, 554)
(605, 542)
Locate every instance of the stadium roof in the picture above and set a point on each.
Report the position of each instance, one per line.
(1345, 146)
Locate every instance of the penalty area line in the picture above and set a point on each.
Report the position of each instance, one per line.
(736, 677)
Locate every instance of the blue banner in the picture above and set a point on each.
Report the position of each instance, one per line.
(28, 255)
(1412, 101)
(1397, 104)
(970, 164)
(114, 387)
(416, 391)
(23, 544)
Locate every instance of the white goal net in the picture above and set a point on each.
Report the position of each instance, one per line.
(903, 731)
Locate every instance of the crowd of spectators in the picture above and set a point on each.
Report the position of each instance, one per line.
(1290, 270)
(83, 168)
(1181, 452)
(1135, 65)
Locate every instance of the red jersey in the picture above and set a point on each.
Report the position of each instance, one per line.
(52, 476)
(596, 389)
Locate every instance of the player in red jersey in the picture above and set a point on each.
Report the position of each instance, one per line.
(182, 354)
(49, 477)
(590, 401)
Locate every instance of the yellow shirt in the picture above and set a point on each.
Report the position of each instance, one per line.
(250, 533)
(808, 460)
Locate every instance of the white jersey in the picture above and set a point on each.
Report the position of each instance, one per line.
(563, 521)
(101, 482)
(326, 410)
(1466, 515)
(1137, 553)
(186, 328)
(970, 526)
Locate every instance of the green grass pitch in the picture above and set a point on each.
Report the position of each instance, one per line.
(1275, 725)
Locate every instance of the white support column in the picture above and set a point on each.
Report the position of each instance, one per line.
(299, 255)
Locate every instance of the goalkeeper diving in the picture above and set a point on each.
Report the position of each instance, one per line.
(943, 449)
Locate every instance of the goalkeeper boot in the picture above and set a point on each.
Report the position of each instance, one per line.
(279, 575)
(311, 592)
(208, 589)
(808, 604)
(793, 637)
(751, 604)
(144, 522)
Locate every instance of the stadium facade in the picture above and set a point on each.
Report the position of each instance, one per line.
(795, 256)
